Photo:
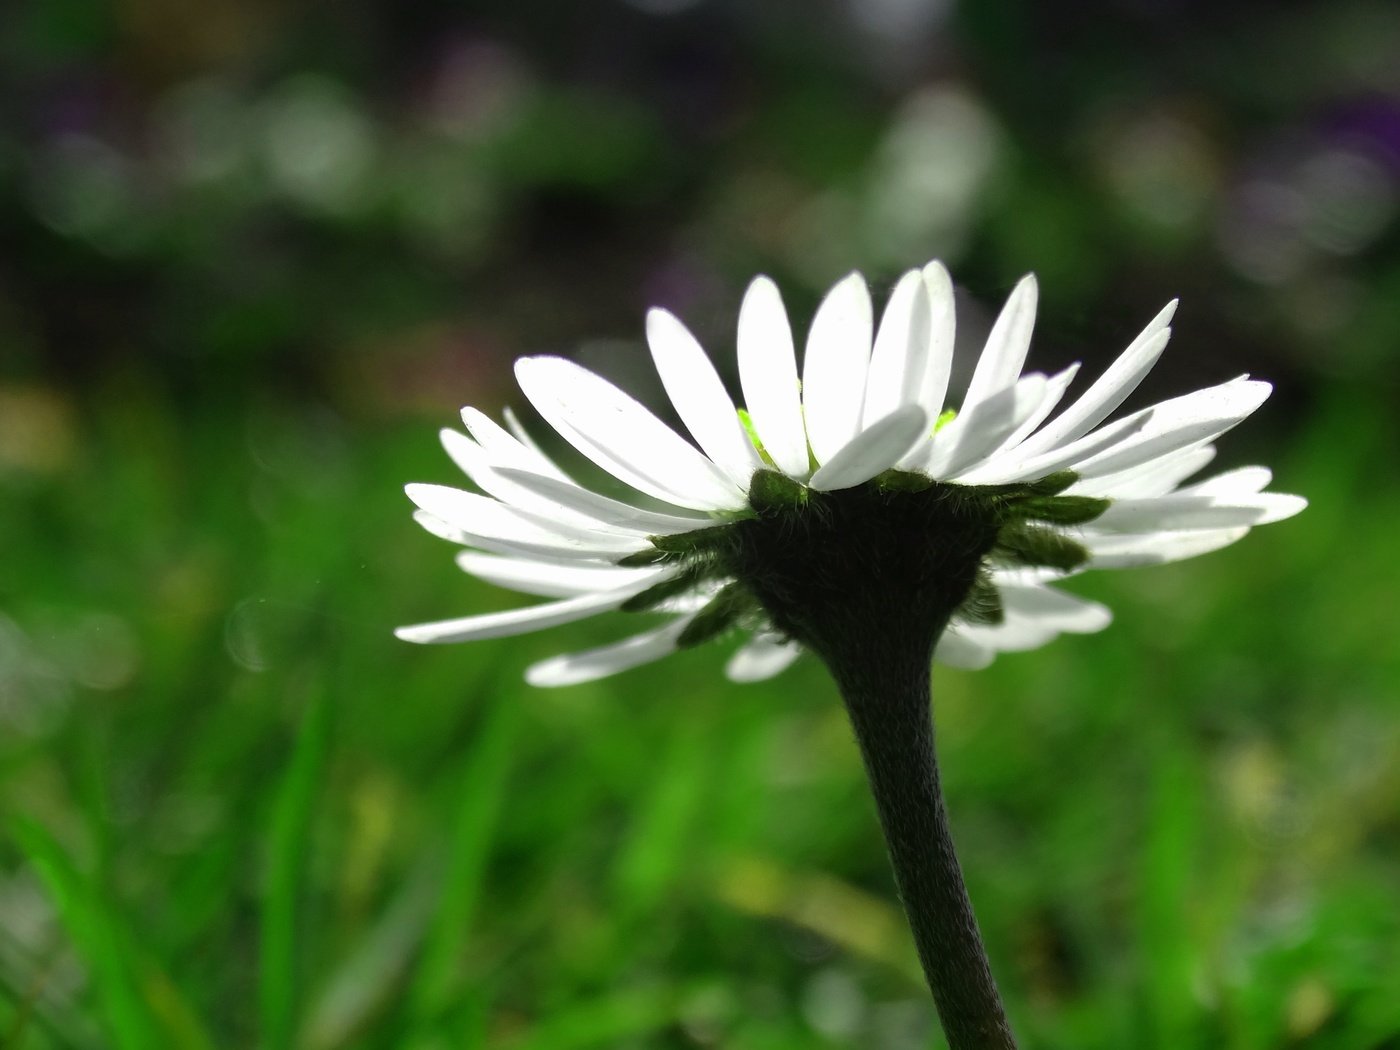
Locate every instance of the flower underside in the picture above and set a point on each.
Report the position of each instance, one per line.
(827, 568)
(846, 504)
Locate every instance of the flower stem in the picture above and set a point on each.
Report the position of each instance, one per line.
(887, 695)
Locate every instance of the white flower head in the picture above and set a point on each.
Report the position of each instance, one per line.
(848, 498)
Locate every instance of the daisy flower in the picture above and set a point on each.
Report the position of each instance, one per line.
(857, 476)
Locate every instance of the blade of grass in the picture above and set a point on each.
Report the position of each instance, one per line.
(96, 936)
(479, 795)
(284, 876)
(1167, 904)
(661, 840)
(365, 982)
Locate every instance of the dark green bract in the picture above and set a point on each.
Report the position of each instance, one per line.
(826, 567)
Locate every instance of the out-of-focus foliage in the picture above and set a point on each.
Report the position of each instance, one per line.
(254, 253)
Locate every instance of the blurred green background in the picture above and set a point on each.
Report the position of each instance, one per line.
(255, 252)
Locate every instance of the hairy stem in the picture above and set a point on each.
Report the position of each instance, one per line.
(887, 697)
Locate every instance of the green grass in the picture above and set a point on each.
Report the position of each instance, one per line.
(237, 812)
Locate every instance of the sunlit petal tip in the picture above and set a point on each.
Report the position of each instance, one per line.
(1280, 506)
(592, 664)
(761, 658)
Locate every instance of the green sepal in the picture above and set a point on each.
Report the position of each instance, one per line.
(646, 558)
(772, 490)
(904, 481)
(697, 541)
(659, 592)
(716, 617)
(1051, 484)
(944, 418)
(1039, 547)
(1059, 510)
(983, 603)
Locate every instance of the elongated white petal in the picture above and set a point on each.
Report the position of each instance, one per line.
(768, 377)
(701, 401)
(1015, 467)
(964, 442)
(602, 509)
(1156, 477)
(1057, 609)
(1170, 513)
(552, 580)
(1026, 576)
(1156, 548)
(515, 621)
(1055, 388)
(1111, 389)
(475, 463)
(623, 437)
(542, 550)
(504, 448)
(591, 664)
(436, 526)
(482, 516)
(956, 650)
(941, 337)
(1182, 421)
(1007, 345)
(1013, 636)
(833, 374)
(1243, 481)
(762, 657)
(899, 362)
(938, 363)
(873, 450)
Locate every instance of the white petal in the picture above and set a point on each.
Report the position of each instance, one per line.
(1057, 609)
(1110, 390)
(899, 362)
(1055, 388)
(545, 550)
(591, 664)
(1243, 481)
(955, 650)
(506, 449)
(1169, 513)
(1156, 548)
(475, 463)
(1015, 467)
(942, 332)
(623, 437)
(963, 443)
(439, 528)
(873, 450)
(515, 621)
(939, 359)
(485, 517)
(1013, 636)
(1182, 421)
(593, 506)
(768, 377)
(1156, 477)
(1007, 345)
(833, 373)
(1025, 575)
(552, 580)
(762, 657)
(701, 401)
